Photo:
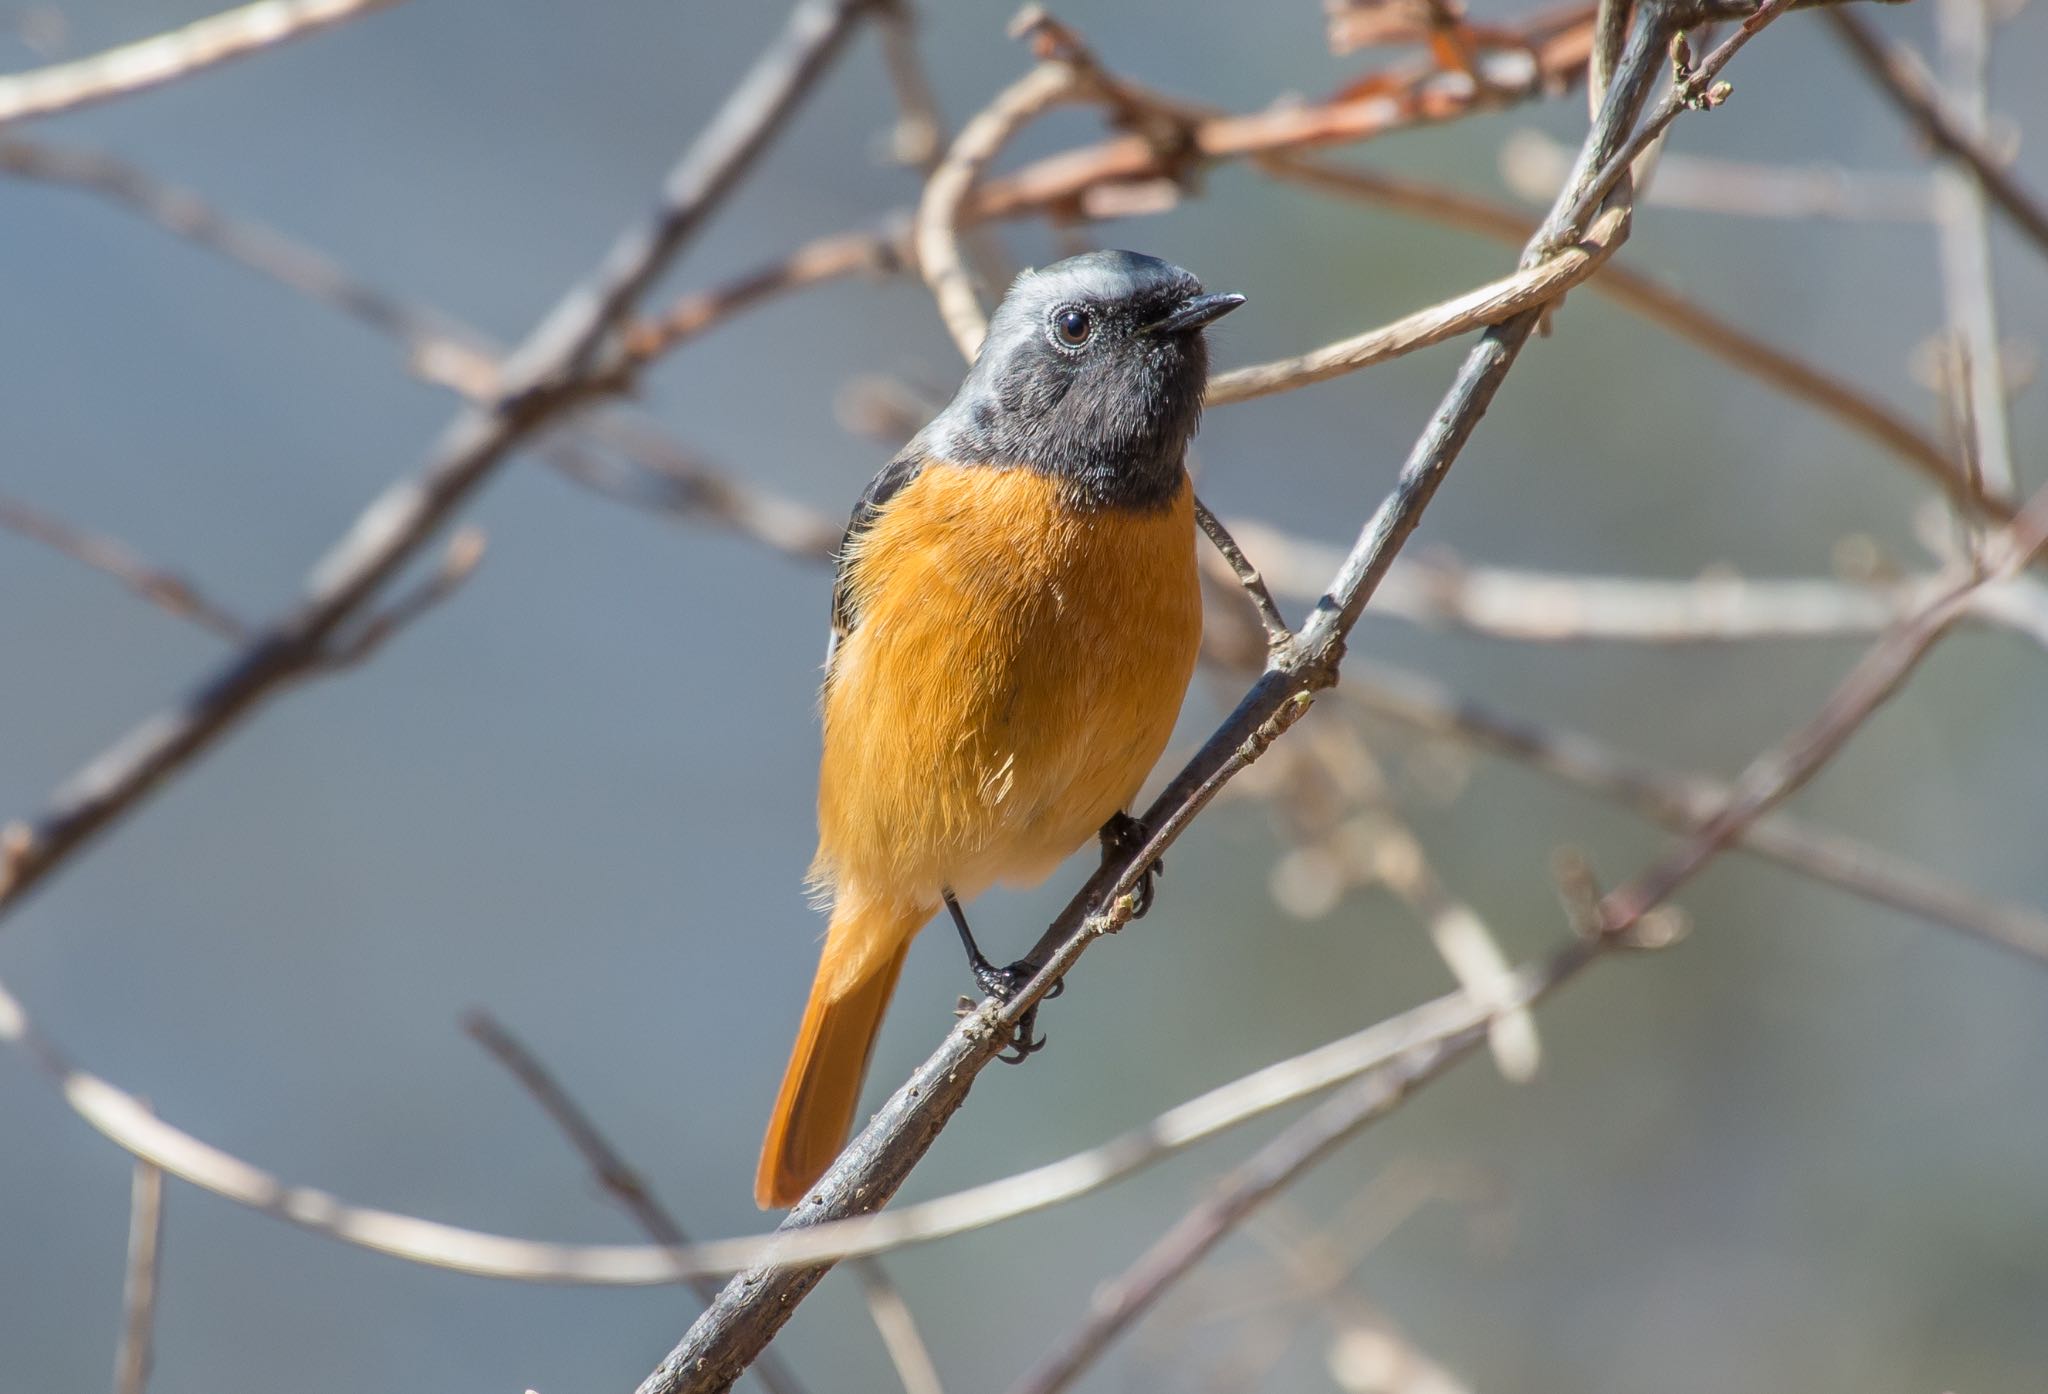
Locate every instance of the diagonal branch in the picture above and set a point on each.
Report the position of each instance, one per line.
(1908, 85)
(543, 380)
(166, 57)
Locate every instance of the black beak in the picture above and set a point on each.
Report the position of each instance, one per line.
(1195, 312)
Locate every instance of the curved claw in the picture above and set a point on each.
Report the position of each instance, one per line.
(1121, 836)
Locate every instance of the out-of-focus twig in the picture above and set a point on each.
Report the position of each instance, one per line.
(139, 1287)
(892, 1317)
(165, 57)
(1684, 803)
(123, 1119)
(114, 558)
(1648, 297)
(1532, 164)
(1908, 84)
(618, 1180)
(543, 379)
(1968, 286)
(937, 229)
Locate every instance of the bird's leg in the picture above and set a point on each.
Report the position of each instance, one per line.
(1121, 836)
(1002, 984)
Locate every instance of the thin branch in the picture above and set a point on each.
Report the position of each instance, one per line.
(542, 380)
(459, 560)
(126, 1121)
(884, 251)
(919, 137)
(937, 235)
(892, 1317)
(1117, 1304)
(619, 1181)
(1653, 300)
(1774, 776)
(139, 1288)
(1684, 803)
(162, 58)
(114, 558)
(1914, 93)
(1493, 304)
(1553, 55)
(1969, 288)
(1695, 90)
(1532, 165)
(1279, 635)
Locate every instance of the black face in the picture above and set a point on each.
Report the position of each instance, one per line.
(1093, 371)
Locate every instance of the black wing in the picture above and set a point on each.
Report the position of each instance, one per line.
(883, 487)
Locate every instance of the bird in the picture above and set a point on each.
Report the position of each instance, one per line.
(1015, 620)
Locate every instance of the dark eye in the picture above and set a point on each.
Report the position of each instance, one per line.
(1073, 327)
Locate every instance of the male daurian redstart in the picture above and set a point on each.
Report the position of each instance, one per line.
(1014, 623)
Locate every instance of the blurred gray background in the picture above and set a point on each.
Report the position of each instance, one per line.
(1804, 1150)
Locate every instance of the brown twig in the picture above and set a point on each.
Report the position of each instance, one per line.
(123, 1119)
(937, 228)
(898, 1327)
(1914, 93)
(1969, 288)
(114, 558)
(543, 379)
(162, 58)
(1552, 55)
(882, 252)
(1685, 803)
(1279, 635)
(619, 1180)
(1533, 165)
(139, 1288)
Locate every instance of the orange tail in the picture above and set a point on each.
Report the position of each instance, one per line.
(864, 952)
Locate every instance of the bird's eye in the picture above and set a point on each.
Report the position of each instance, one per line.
(1072, 326)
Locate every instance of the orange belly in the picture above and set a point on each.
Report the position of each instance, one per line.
(1015, 673)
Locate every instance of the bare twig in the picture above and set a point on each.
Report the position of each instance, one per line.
(1968, 286)
(123, 1119)
(620, 1181)
(1913, 91)
(542, 380)
(1494, 304)
(113, 557)
(920, 134)
(139, 1289)
(1684, 803)
(1695, 89)
(1650, 298)
(1279, 636)
(165, 57)
(937, 235)
(458, 560)
(1421, 93)
(892, 1317)
(1533, 165)
(882, 252)
(1117, 1304)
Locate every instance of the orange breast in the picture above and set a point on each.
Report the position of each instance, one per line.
(1015, 673)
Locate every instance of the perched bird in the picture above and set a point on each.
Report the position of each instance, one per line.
(1014, 623)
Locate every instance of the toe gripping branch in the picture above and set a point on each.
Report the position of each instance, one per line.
(1121, 837)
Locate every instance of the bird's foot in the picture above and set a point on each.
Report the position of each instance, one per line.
(1120, 837)
(1004, 984)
